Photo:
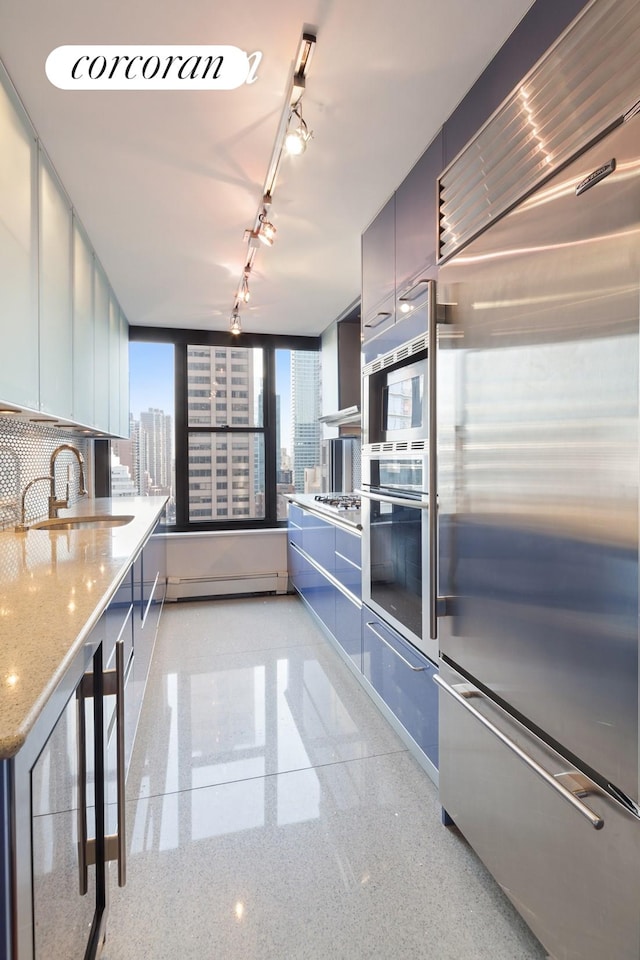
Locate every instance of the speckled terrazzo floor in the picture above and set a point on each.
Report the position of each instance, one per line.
(274, 815)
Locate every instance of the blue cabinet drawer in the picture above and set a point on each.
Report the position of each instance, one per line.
(318, 592)
(295, 515)
(349, 546)
(348, 567)
(404, 680)
(319, 541)
(348, 630)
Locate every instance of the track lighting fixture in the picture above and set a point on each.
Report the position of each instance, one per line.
(266, 230)
(291, 141)
(296, 140)
(235, 326)
(244, 295)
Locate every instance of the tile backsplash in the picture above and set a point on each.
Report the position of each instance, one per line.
(25, 453)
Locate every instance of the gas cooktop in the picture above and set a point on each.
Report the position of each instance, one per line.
(338, 501)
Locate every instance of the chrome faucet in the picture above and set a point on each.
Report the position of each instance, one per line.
(21, 527)
(54, 504)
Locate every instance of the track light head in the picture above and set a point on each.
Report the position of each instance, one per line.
(266, 231)
(235, 326)
(295, 142)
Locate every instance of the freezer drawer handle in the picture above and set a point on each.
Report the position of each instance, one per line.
(393, 649)
(595, 821)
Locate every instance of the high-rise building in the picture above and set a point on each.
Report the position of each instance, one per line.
(156, 450)
(306, 407)
(226, 471)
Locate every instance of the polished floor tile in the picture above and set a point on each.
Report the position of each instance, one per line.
(334, 850)
(228, 716)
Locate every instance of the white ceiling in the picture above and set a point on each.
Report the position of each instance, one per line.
(166, 182)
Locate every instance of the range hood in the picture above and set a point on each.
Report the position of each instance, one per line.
(342, 418)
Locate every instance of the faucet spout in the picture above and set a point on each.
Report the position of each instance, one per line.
(22, 526)
(54, 503)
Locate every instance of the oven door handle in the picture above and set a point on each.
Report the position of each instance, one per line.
(397, 501)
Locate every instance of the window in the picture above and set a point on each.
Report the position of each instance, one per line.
(144, 465)
(246, 418)
(298, 442)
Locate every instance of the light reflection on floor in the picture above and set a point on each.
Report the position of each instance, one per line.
(275, 815)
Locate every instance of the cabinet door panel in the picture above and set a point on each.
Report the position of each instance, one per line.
(83, 329)
(56, 327)
(62, 919)
(18, 254)
(114, 365)
(417, 215)
(378, 259)
(123, 346)
(101, 349)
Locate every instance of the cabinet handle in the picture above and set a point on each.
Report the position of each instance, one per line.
(393, 649)
(83, 884)
(120, 775)
(596, 822)
(115, 843)
(413, 292)
(378, 319)
(150, 600)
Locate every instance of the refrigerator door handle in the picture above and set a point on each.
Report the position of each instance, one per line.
(432, 347)
(596, 822)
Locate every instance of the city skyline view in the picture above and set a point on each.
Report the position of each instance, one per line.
(226, 454)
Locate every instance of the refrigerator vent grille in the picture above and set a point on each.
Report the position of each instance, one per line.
(585, 82)
(397, 446)
(410, 349)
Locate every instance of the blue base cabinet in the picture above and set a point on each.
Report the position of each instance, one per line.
(403, 678)
(325, 569)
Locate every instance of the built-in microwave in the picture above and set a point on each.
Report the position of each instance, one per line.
(396, 395)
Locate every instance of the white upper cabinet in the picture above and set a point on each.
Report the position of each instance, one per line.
(83, 327)
(124, 377)
(56, 326)
(102, 367)
(114, 365)
(18, 259)
(64, 337)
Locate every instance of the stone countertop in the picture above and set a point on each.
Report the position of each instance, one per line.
(54, 586)
(345, 518)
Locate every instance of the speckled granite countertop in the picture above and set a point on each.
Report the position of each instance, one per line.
(347, 518)
(53, 588)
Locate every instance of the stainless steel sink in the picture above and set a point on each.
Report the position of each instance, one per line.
(79, 523)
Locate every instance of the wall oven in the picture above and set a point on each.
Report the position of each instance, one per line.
(397, 535)
(399, 475)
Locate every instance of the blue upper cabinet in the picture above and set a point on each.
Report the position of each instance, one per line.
(416, 223)
(379, 272)
(399, 256)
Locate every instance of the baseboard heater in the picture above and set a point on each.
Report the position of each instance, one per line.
(182, 588)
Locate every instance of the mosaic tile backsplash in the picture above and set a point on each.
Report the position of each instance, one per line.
(25, 453)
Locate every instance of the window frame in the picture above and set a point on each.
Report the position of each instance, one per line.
(269, 343)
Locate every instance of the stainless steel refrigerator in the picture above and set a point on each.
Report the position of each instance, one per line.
(538, 486)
